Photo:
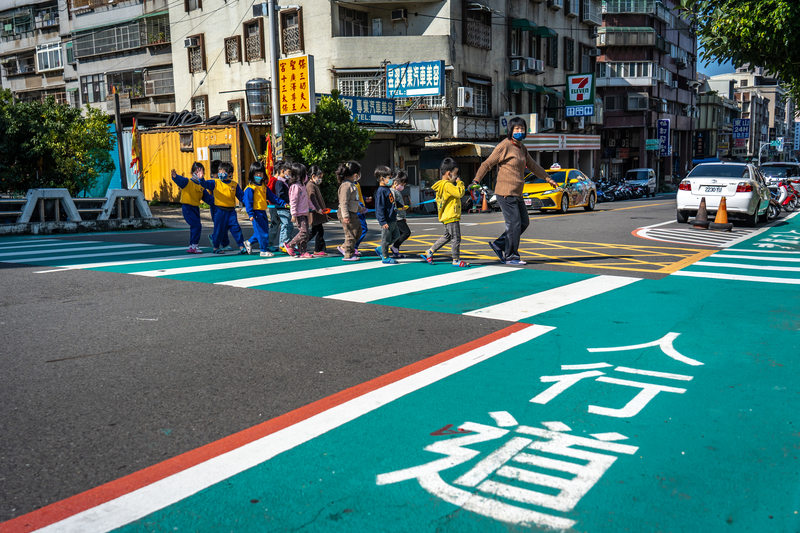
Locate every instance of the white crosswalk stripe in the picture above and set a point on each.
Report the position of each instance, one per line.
(78, 249)
(212, 267)
(536, 304)
(733, 277)
(302, 274)
(81, 256)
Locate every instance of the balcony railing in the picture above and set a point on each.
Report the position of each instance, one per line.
(591, 13)
(630, 36)
(652, 7)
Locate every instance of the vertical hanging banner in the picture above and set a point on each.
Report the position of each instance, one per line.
(423, 78)
(296, 85)
(580, 95)
(662, 133)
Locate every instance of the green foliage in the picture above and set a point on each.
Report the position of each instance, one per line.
(326, 138)
(760, 32)
(45, 144)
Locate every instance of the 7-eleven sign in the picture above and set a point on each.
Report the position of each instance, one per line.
(580, 95)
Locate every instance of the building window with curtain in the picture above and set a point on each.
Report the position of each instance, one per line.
(353, 23)
(569, 54)
(48, 57)
(482, 95)
(93, 89)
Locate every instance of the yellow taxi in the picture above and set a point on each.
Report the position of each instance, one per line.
(574, 190)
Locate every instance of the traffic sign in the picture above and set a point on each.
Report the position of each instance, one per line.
(652, 144)
(774, 144)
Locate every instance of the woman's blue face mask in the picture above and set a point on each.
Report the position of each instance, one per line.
(223, 176)
(519, 136)
(258, 179)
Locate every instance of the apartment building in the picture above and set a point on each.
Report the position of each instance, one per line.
(647, 73)
(84, 51)
(713, 138)
(31, 52)
(509, 57)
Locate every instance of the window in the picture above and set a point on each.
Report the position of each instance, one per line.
(93, 89)
(743, 83)
(586, 59)
(233, 50)
(237, 108)
(187, 141)
(552, 56)
(200, 105)
(516, 42)
(221, 152)
(353, 23)
(611, 103)
(48, 57)
(569, 54)
(482, 94)
(108, 40)
(191, 5)
(361, 85)
(157, 30)
(292, 31)
(254, 40)
(70, 53)
(158, 81)
(638, 102)
(477, 26)
(129, 83)
(197, 55)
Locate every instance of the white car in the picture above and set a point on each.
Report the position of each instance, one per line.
(745, 191)
(644, 177)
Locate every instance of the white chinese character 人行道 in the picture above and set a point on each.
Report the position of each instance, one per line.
(517, 460)
(770, 245)
(631, 409)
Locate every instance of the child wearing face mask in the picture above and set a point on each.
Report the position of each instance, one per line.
(284, 213)
(386, 213)
(347, 174)
(299, 207)
(255, 203)
(400, 179)
(226, 192)
(318, 215)
(191, 195)
(209, 199)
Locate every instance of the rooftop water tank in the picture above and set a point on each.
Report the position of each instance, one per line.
(257, 92)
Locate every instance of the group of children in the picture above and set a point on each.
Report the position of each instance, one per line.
(292, 197)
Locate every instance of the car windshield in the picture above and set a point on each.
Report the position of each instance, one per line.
(778, 171)
(558, 177)
(636, 175)
(719, 171)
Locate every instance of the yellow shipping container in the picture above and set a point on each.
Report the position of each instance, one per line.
(164, 149)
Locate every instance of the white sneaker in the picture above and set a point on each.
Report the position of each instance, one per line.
(266, 254)
(248, 247)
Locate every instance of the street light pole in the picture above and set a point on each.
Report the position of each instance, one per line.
(273, 50)
(761, 147)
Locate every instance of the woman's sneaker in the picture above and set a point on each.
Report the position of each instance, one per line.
(501, 255)
(428, 257)
(194, 250)
(389, 261)
(248, 247)
(461, 264)
(518, 262)
(357, 252)
(266, 254)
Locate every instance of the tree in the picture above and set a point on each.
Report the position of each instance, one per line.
(45, 144)
(326, 138)
(759, 32)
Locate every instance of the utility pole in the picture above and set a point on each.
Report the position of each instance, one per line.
(123, 174)
(273, 11)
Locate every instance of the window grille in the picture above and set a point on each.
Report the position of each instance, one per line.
(195, 59)
(158, 82)
(291, 34)
(232, 50)
(199, 105)
(108, 40)
(569, 55)
(480, 95)
(479, 30)
(221, 153)
(156, 30)
(252, 42)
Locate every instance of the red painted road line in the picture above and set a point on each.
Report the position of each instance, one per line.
(114, 489)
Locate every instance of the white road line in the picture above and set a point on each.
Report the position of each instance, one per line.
(3, 248)
(657, 225)
(748, 267)
(161, 494)
(747, 236)
(732, 277)
(759, 252)
(213, 266)
(80, 256)
(301, 274)
(79, 249)
(535, 304)
(422, 284)
(14, 243)
(758, 258)
(122, 263)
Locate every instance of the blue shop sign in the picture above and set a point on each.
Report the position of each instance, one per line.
(423, 78)
(741, 128)
(662, 133)
(367, 110)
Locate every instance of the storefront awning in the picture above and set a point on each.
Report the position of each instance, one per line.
(544, 31)
(524, 25)
(625, 29)
(514, 85)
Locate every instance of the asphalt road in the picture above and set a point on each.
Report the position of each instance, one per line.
(105, 374)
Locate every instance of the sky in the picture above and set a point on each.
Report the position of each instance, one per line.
(713, 68)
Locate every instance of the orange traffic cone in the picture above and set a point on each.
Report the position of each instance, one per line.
(721, 220)
(701, 219)
(485, 206)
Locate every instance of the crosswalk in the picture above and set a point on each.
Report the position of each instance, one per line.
(493, 291)
(702, 237)
(760, 266)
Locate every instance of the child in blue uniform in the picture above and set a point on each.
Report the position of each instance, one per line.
(255, 203)
(209, 199)
(191, 195)
(386, 213)
(226, 192)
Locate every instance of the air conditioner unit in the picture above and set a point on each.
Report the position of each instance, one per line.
(681, 63)
(399, 15)
(549, 123)
(594, 52)
(260, 10)
(191, 42)
(533, 64)
(517, 66)
(593, 33)
(466, 97)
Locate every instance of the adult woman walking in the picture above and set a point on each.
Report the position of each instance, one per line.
(511, 158)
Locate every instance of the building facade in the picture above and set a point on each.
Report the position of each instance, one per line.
(714, 135)
(510, 57)
(84, 51)
(647, 72)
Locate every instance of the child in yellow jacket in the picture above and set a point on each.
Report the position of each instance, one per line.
(449, 191)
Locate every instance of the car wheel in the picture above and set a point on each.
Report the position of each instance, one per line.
(751, 220)
(590, 205)
(682, 216)
(564, 203)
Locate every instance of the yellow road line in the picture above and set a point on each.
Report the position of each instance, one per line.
(669, 269)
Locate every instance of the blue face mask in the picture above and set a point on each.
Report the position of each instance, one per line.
(519, 136)
(389, 182)
(223, 176)
(258, 179)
